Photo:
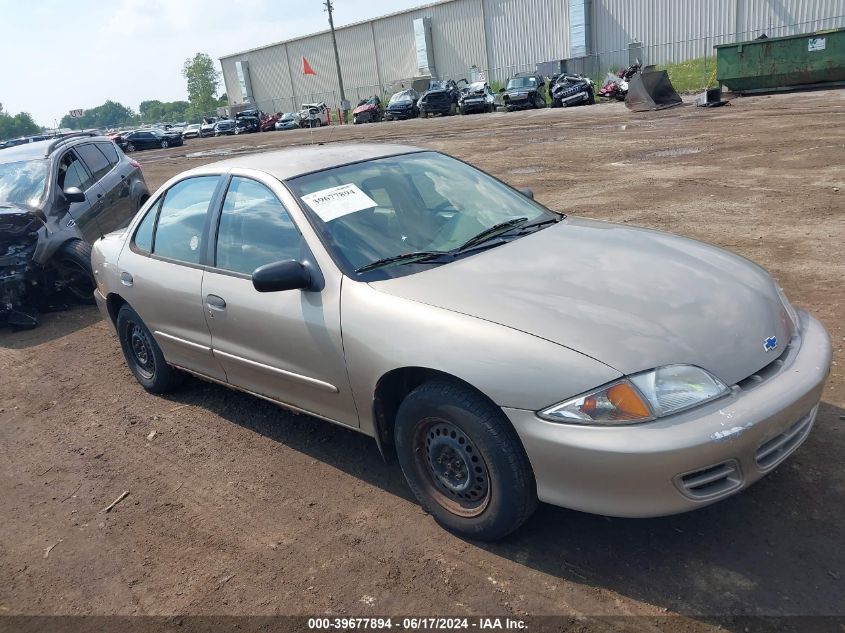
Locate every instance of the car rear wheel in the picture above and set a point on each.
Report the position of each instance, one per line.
(72, 264)
(143, 354)
(464, 461)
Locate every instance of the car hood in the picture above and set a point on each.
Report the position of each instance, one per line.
(367, 107)
(434, 93)
(631, 298)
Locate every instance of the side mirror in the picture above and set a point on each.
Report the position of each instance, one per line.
(528, 193)
(74, 194)
(278, 276)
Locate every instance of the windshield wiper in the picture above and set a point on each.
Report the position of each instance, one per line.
(534, 225)
(493, 231)
(404, 258)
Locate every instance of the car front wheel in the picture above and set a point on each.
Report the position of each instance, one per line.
(164, 144)
(143, 354)
(130, 147)
(464, 461)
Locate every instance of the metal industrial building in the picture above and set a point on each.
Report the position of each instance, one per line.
(497, 38)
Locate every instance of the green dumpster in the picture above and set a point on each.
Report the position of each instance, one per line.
(783, 63)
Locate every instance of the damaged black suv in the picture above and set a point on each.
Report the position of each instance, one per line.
(56, 198)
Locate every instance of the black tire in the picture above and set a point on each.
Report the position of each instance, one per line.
(72, 264)
(141, 202)
(130, 147)
(143, 355)
(485, 487)
(452, 109)
(592, 98)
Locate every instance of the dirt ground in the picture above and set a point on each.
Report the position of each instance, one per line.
(238, 507)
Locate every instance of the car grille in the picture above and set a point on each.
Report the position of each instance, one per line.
(711, 481)
(437, 99)
(772, 369)
(775, 450)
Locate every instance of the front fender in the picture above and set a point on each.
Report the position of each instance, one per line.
(514, 369)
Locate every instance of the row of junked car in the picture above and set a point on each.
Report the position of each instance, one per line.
(443, 97)
(449, 97)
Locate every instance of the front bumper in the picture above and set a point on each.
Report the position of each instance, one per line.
(475, 106)
(437, 107)
(684, 461)
(399, 115)
(518, 101)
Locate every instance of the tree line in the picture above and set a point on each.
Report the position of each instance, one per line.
(202, 82)
(13, 126)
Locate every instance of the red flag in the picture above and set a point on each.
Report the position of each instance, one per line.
(306, 68)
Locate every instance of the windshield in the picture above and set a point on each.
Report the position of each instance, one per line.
(23, 182)
(476, 87)
(402, 97)
(437, 85)
(522, 82)
(425, 201)
(288, 116)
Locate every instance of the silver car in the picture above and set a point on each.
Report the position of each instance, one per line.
(506, 354)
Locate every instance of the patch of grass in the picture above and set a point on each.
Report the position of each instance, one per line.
(691, 75)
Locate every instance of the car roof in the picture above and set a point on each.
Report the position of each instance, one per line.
(290, 162)
(43, 149)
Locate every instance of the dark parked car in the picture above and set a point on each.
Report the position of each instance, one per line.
(368, 111)
(440, 98)
(524, 90)
(402, 105)
(247, 124)
(477, 97)
(56, 198)
(571, 90)
(148, 139)
(224, 127)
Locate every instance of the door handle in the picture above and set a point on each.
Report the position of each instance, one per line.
(215, 302)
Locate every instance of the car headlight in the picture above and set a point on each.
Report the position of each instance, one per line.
(640, 398)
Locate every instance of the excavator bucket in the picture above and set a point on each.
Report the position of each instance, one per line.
(651, 91)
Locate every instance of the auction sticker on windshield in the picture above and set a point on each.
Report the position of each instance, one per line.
(331, 204)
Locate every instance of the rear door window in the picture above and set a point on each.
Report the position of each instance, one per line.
(110, 152)
(96, 161)
(181, 219)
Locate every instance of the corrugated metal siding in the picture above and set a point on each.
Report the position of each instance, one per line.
(675, 30)
(519, 34)
(395, 46)
(523, 32)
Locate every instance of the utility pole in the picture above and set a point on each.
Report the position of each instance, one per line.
(329, 8)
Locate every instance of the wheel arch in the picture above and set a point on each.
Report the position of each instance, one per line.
(114, 302)
(392, 388)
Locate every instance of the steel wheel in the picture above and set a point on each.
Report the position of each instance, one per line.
(141, 349)
(454, 471)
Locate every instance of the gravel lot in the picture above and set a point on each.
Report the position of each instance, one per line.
(238, 507)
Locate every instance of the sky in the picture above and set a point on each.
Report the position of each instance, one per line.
(57, 56)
